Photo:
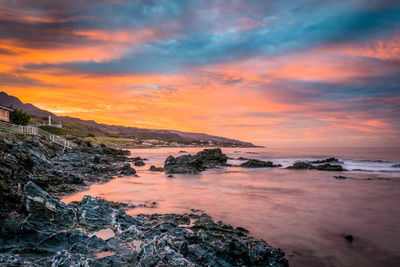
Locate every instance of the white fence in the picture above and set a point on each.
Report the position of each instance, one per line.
(9, 127)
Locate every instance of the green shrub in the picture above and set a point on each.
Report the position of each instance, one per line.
(53, 130)
(17, 116)
(91, 135)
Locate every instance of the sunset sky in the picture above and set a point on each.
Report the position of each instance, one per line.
(275, 73)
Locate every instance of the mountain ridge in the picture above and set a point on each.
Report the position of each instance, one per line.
(123, 131)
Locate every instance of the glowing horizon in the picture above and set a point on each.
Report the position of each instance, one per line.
(274, 74)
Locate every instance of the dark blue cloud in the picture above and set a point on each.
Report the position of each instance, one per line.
(199, 32)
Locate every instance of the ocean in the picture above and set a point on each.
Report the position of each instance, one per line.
(306, 213)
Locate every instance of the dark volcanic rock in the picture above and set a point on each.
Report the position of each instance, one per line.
(45, 209)
(329, 160)
(396, 166)
(208, 158)
(301, 165)
(349, 238)
(156, 169)
(255, 163)
(324, 167)
(24, 159)
(145, 240)
(139, 163)
(184, 164)
(329, 167)
(127, 169)
(95, 214)
(74, 179)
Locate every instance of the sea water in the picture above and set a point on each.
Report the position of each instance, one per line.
(307, 213)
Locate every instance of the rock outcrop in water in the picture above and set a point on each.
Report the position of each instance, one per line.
(255, 163)
(156, 169)
(208, 158)
(59, 234)
(328, 160)
(323, 167)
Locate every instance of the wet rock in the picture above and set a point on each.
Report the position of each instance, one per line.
(127, 169)
(301, 165)
(156, 169)
(349, 238)
(243, 158)
(44, 209)
(328, 160)
(255, 163)
(95, 214)
(329, 167)
(208, 158)
(396, 166)
(145, 240)
(74, 179)
(340, 177)
(171, 176)
(139, 163)
(184, 164)
(324, 167)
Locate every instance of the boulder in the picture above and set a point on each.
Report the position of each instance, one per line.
(328, 160)
(255, 163)
(156, 169)
(46, 210)
(127, 169)
(139, 162)
(184, 164)
(74, 179)
(324, 167)
(95, 214)
(329, 167)
(208, 158)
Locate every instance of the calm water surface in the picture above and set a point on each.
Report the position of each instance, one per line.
(307, 213)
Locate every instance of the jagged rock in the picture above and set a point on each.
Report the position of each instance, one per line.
(44, 209)
(139, 163)
(324, 167)
(212, 157)
(184, 164)
(95, 214)
(301, 165)
(74, 179)
(328, 160)
(127, 169)
(156, 169)
(255, 163)
(145, 240)
(329, 167)
(208, 158)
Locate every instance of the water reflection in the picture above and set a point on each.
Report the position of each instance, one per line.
(306, 213)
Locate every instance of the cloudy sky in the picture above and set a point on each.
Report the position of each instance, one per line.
(276, 73)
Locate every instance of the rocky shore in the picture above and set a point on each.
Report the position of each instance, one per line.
(39, 230)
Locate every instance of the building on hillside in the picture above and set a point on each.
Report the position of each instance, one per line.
(5, 114)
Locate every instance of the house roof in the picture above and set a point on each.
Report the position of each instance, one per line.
(1, 107)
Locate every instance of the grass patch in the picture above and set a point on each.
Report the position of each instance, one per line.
(53, 130)
(115, 142)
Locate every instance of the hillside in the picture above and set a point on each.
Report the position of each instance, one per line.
(89, 128)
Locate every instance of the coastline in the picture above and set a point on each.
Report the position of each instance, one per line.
(66, 173)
